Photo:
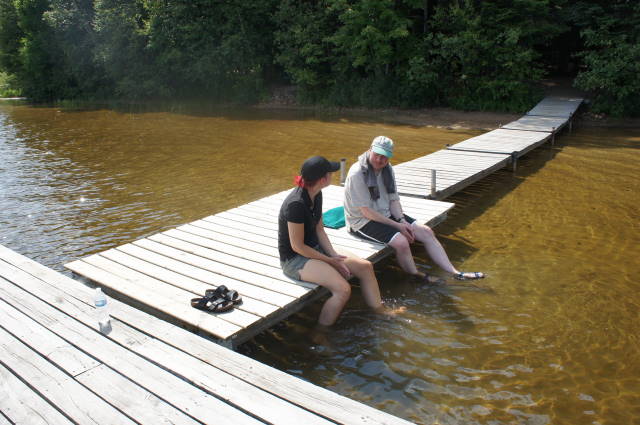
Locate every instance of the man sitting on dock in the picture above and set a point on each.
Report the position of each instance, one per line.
(373, 211)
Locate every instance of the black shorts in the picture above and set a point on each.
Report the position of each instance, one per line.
(380, 232)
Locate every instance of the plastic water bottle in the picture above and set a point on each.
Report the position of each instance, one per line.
(102, 312)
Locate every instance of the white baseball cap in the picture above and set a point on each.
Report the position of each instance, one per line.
(382, 145)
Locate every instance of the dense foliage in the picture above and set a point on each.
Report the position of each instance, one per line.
(469, 54)
(611, 33)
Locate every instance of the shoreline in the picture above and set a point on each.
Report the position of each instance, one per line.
(447, 118)
(284, 98)
(438, 117)
(426, 117)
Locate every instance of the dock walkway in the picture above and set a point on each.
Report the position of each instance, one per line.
(451, 170)
(237, 248)
(447, 171)
(57, 367)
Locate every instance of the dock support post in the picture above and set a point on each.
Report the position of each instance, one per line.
(343, 170)
(514, 161)
(433, 184)
(570, 125)
(553, 136)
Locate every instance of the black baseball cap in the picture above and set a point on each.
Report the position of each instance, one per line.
(316, 167)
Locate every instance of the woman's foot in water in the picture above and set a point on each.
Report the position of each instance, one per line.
(320, 336)
(391, 311)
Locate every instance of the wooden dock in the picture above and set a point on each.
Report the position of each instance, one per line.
(236, 248)
(506, 142)
(445, 172)
(57, 367)
(454, 170)
(556, 106)
(537, 123)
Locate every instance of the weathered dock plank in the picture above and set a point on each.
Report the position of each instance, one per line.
(556, 106)
(22, 405)
(110, 385)
(74, 327)
(66, 394)
(144, 370)
(466, 162)
(139, 290)
(454, 171)
(537, 123)
(507, 142)
(236, 248)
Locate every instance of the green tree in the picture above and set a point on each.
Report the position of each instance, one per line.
(41, 72)
(217, 50)
(469, 54)
(301, 47)
(121, 28)
(486, 55)
(370, 35)
(10, 37)
(611, 59)
(72, 24)
(344, 52)
(371, 45)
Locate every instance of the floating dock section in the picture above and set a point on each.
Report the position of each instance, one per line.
(237, 248)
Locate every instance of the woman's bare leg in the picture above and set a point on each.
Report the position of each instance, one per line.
(323, 274)
(363, 270)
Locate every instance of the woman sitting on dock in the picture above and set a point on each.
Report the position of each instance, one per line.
(305, 250)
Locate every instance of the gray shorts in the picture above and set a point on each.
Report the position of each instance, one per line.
(291, 267)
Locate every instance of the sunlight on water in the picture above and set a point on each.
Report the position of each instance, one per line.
(96, 179)
(549, 337)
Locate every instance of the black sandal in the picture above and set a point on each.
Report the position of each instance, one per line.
(223, 292)
(217, 300)
(213, 305)
(465, 276)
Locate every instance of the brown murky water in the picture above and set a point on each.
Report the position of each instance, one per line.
(551, 336)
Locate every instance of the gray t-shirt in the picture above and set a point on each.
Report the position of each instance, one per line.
(356, 195)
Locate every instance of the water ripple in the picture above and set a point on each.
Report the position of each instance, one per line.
(549, 337)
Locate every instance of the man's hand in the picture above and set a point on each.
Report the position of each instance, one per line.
(406, 230)
(337, 262)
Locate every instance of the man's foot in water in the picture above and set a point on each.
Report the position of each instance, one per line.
(468, 275)
(429, 279)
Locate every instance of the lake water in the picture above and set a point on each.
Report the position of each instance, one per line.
(550, 336)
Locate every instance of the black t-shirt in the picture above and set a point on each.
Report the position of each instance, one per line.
(296, 208)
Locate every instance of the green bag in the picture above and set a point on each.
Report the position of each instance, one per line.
(334, 218)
